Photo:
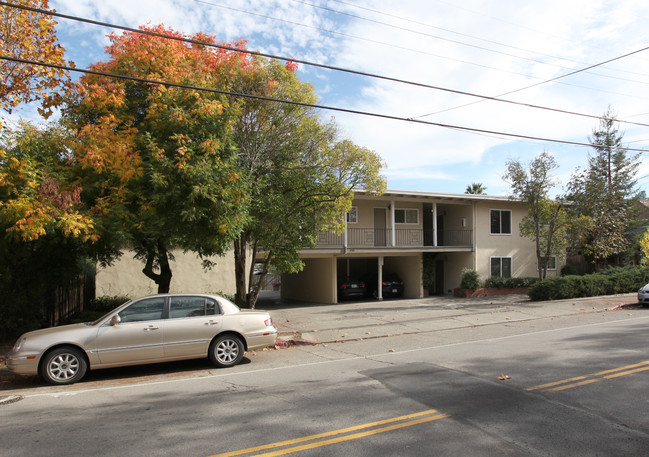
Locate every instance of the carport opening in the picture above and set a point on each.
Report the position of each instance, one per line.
(358, 279)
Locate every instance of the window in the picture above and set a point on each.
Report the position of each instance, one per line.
(501, 266)
(149, 309)
(552, 263)
(406, 216)
(501, 222)
(352, 216)
(180, 307)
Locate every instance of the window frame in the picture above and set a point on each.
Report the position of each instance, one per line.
(556, 263)
(405, 218)
(500, 258)
(500, 218)
(348, 219)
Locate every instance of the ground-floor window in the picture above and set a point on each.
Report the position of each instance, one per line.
(501, 266)
(552, 263)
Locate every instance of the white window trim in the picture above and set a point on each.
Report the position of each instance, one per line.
(511, 223)
(511, 263)
(347, 218)
(556, 263)
(416, 210)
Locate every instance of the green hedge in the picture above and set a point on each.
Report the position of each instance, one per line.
(609, 282)
(510, 283)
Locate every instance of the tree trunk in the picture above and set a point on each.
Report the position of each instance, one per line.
(254, 290)
(240, 245)
(162, 279)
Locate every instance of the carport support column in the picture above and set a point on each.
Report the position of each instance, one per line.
(379, 286)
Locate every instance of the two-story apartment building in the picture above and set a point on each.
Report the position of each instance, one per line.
(390, 234)
(384, 234)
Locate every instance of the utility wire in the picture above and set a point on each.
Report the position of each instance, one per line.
(330, 67)
(296, 103)
(401, 18)
(482, 48)
(392, 45)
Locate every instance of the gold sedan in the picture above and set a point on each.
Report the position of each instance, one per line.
(151, 329)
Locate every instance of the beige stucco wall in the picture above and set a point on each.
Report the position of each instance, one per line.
(409, 268)
(315, 283)
(125, 277)
(522, 250)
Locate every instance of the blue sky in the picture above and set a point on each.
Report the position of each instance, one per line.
(482, 47)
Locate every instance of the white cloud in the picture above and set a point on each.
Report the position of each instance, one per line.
(508, 45)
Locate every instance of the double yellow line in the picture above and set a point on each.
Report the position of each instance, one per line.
(395, 423)
(373, 428)
(591, 378)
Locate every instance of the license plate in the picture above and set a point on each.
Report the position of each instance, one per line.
(394, 291)
(354, 286)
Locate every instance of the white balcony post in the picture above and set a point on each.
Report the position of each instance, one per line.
(393, 238)
(434, 224)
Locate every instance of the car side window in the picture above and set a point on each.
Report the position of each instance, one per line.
(149, 309)
(180, 307)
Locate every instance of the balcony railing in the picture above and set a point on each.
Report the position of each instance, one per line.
(404, 238)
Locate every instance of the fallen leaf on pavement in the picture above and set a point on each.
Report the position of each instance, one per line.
(502, 377)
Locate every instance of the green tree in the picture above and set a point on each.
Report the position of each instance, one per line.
(546, 221)
(46, 236)
(475, 188)
(157, 163)
(603, 195)
(300, 175)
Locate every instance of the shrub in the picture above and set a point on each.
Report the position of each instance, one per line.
(470, 280)
(510, 283)
(569, 270)
(107, 303)
(612, 281)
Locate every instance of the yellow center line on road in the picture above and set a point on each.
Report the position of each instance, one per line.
(339, 432)
(591, 378)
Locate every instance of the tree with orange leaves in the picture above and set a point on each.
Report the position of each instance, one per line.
(29, 35)
(157, 162)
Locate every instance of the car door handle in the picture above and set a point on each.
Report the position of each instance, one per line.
(149, 328)
(212, 323)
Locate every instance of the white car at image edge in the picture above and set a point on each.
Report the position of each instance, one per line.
(643, 294)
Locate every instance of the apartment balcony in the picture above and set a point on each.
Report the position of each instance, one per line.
(370, 238)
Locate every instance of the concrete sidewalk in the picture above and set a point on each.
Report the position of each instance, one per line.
(358, 320)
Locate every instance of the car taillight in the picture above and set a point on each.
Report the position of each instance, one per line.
(343, 286)
(269, 322)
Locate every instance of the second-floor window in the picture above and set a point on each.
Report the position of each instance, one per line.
(406, 216)
(501, 222)
(352, 215)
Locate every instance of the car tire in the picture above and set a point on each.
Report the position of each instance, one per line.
(65, 365)
(226, 351)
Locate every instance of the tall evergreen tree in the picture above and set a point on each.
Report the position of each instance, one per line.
(603, 195)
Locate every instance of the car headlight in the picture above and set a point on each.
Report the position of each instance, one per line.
(19, 344)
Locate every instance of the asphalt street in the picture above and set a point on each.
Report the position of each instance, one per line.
(498, 376)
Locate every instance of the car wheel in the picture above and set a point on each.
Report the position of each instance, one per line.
(226, 351)
(63, 366)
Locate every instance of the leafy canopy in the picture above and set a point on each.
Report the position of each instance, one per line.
(30, 36)
(157, 162)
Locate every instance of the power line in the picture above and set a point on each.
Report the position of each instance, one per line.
(392, 45)
(330, 67)
(401, 18)
(296, 103)
(482, 48)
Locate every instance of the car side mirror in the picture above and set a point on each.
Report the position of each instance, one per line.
(115, 320)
